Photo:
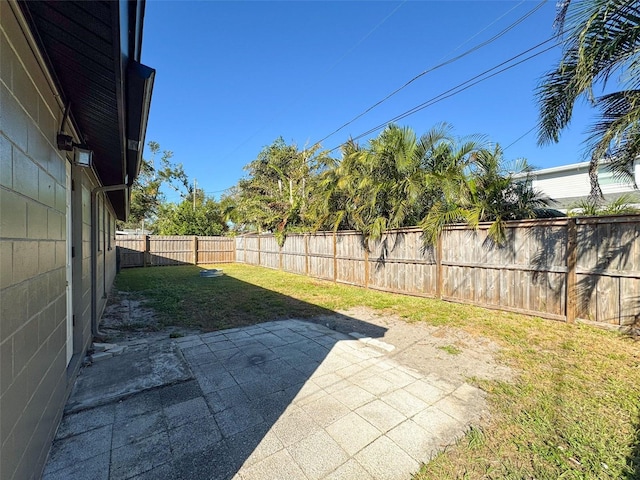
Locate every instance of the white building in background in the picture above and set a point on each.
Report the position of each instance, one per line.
(568, 184)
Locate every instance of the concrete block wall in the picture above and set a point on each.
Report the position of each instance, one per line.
(35, 378)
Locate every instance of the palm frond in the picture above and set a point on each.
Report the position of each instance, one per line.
(602, 37)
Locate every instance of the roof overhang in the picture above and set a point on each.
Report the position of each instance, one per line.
(93, 53)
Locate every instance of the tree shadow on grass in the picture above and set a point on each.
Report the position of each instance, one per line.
(634, 458)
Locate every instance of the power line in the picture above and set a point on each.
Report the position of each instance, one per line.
(462, 86)
(440, 65)
(484, 29)
(520, 137)
(344, 55)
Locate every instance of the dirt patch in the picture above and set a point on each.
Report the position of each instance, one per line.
(126, 318)
(449, 352)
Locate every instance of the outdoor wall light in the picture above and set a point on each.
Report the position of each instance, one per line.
(82, 155)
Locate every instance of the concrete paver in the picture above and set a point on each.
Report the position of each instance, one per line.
(279, 465)
(134, 429)
(286, 399)
(139, 457)
(414, 440)
(348, 471)
(78, 448)
(385, 460)
(404, 402)
(318, 454)
(353, 433)
(380, 415)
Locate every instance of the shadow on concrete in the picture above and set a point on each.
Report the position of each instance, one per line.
(209, 423)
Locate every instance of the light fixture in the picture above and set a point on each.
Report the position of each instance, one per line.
(82, 154)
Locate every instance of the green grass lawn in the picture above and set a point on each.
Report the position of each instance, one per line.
(572, 413)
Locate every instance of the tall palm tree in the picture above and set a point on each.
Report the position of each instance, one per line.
(601, 42)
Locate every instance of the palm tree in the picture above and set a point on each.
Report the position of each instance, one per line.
(486, 190)
(601, 40)
(383, 185)
(392, 182)
(332, 196)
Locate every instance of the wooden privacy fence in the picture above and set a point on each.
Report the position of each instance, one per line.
(155, 250)
(585, 269)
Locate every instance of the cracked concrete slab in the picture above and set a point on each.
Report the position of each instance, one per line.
(141, 367)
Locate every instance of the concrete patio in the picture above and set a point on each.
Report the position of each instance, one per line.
(281, 400)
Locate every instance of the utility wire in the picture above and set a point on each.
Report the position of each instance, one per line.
(463, 86)
(440, 65)
(520, 137)
(342, 57)
(483, 30)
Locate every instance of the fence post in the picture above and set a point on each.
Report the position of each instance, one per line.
(259, 262)
(145, 250)
(438, 255)
(335, 257)
(306, 254)
(571, 290)
(195, 250)
(280, 256)
(366, 264)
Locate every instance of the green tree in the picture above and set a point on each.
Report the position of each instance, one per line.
(146, 194)
(396, 179)
(601, 43)
(332, 201)
(274, 196)
(205, 218)
(384, 182)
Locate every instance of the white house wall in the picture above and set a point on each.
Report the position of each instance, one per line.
(571, 182)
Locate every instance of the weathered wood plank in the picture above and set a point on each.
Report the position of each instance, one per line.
(630, 301)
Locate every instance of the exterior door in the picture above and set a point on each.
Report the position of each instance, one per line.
(69, 275)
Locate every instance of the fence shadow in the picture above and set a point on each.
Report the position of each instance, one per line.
(600, 296)
(385, 246)
(551, 253)
(600, 253)
(248, 375)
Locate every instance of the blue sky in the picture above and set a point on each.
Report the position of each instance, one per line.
(234, 76)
